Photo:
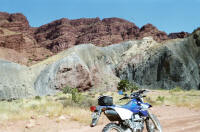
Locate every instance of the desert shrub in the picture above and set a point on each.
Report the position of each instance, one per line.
(125, 85)
(67, 90)
(30, 60)
(80, 100)
(76, 95)
(176, 89)
(37, 97)
(86, 102)
(61, 98)
(133, 87)
(160, 98)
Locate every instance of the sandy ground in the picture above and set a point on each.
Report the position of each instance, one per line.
(173, 119)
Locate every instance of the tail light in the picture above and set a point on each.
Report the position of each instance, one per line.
(93, 108)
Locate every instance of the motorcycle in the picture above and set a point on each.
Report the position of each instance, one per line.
(130, 117)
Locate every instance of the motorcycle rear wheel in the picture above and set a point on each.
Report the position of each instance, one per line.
(112, 127)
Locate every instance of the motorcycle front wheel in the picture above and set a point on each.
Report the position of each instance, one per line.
(112, 127)
(153, 124)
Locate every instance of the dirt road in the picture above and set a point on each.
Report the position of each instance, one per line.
(173, 119)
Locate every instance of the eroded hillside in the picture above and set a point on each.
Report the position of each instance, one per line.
(145, 62)
(23, 44)
(53, 56)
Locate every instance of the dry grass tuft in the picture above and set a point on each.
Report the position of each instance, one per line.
(176, 97)
(62, 104)
(50, 106)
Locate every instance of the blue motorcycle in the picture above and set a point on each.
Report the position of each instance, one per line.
(130, 117)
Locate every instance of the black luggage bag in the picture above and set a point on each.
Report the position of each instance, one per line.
(105, 101)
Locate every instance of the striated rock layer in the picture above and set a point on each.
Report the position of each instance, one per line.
(178, 35)
(116, 49)
(87, 67)
(37, 44)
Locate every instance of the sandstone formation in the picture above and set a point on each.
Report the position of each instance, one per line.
(37, 44)
(14, 22)
(17, 37)
(150, 30)
(178, 35)
(65, 33)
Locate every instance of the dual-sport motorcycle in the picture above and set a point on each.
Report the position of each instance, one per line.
(130, 117)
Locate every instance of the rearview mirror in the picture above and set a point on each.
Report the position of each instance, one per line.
(120, 92)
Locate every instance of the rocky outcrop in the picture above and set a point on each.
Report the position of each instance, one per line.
(15, 42)
(196, 37)
(17, 38)
(98, 66)
(65, 33)
(150, 30)
(83, 67)
(14, 22)
(39, 43)
(1, 32)
(175, 63)
(178, 35)
(145, 62)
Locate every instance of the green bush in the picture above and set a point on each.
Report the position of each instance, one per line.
(67, 90)
(37, 97)
(125, 85)
(76, 95)
(133, 87)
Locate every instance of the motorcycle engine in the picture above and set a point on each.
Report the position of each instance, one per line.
(136, 123)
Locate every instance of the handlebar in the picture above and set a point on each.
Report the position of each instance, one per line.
(135, 94)
(125, 97)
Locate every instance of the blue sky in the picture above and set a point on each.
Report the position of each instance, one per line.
(167, 15)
